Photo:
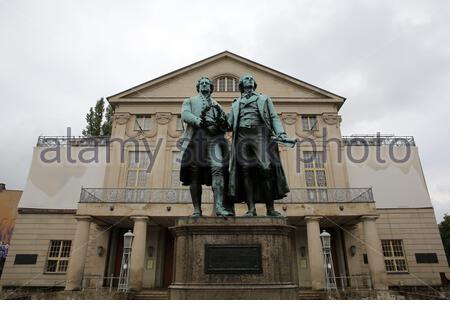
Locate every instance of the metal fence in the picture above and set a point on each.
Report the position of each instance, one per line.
(56, 141)
(380, 140)
(156, 195)
(99, 283)
(354, 282)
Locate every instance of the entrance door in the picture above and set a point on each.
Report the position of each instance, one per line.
(168, 259)
(334, 253)
(117, 261)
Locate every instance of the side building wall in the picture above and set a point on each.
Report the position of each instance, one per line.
(404, 205)
(47, 209)
(32, 235)
(419, 233)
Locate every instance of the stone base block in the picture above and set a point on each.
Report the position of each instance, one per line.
(234, 258)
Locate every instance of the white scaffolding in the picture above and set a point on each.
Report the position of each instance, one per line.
(330, 277)
(126, 262)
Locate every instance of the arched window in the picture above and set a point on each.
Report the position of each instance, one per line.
(226, 84)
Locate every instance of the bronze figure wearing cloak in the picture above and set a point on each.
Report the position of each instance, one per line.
(204, 149)
(256, 172)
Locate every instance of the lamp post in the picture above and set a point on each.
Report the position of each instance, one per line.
(128, 240)
(126, 261)
(330, 278)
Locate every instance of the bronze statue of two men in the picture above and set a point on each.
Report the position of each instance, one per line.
(252, 172)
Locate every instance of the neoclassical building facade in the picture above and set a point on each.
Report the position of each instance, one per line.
(73, 214)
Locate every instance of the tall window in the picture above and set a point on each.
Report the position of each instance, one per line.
(315, 177)
(138, 162)
(58, 256)
(394, 256)
(221, 84)
(309, 123)
(226, 84)
(142, 123)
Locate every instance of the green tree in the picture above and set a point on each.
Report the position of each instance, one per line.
(94, 119)
(95, 125)
(107, 124)
(444, 228)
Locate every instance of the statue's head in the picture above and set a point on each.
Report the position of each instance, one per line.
(247, 81)
(205, 85)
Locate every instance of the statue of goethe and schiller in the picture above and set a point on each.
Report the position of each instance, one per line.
(252, 172)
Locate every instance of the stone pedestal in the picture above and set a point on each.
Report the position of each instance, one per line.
(233, 258)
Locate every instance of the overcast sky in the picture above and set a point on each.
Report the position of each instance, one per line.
(391, 59)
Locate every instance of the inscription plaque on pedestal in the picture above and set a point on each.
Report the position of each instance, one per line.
(233, 259)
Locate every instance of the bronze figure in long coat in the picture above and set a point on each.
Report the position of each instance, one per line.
(204, 150)
(255, 123)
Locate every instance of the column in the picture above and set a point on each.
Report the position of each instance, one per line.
(316, 262)
(78, 254)
(138, 253)
(374, 252)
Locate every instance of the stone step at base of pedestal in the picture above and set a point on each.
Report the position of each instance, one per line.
(152, 295)
(312, 295)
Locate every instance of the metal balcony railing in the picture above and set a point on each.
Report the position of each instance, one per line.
(354, 282)
(53, 141)
(378, 140)
(298, 195)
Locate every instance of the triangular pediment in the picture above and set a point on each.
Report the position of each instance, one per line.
(181, 83)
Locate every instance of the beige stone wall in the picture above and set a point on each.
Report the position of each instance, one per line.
(419, 232)
(301, 247)
(183, 84)
(95, 265)
(32, 235)
(354, 236)
(151, 270)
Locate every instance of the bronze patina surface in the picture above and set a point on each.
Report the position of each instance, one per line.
(256, 172)
(204, 149)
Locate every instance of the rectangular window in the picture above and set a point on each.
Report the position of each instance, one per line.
(58, 256)
(315, 176)
(142, 123)
(394, 256)
(221, 86)
(138, 162)
(230, 84)
(309, 123)
(25, 259)
(426, 258)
